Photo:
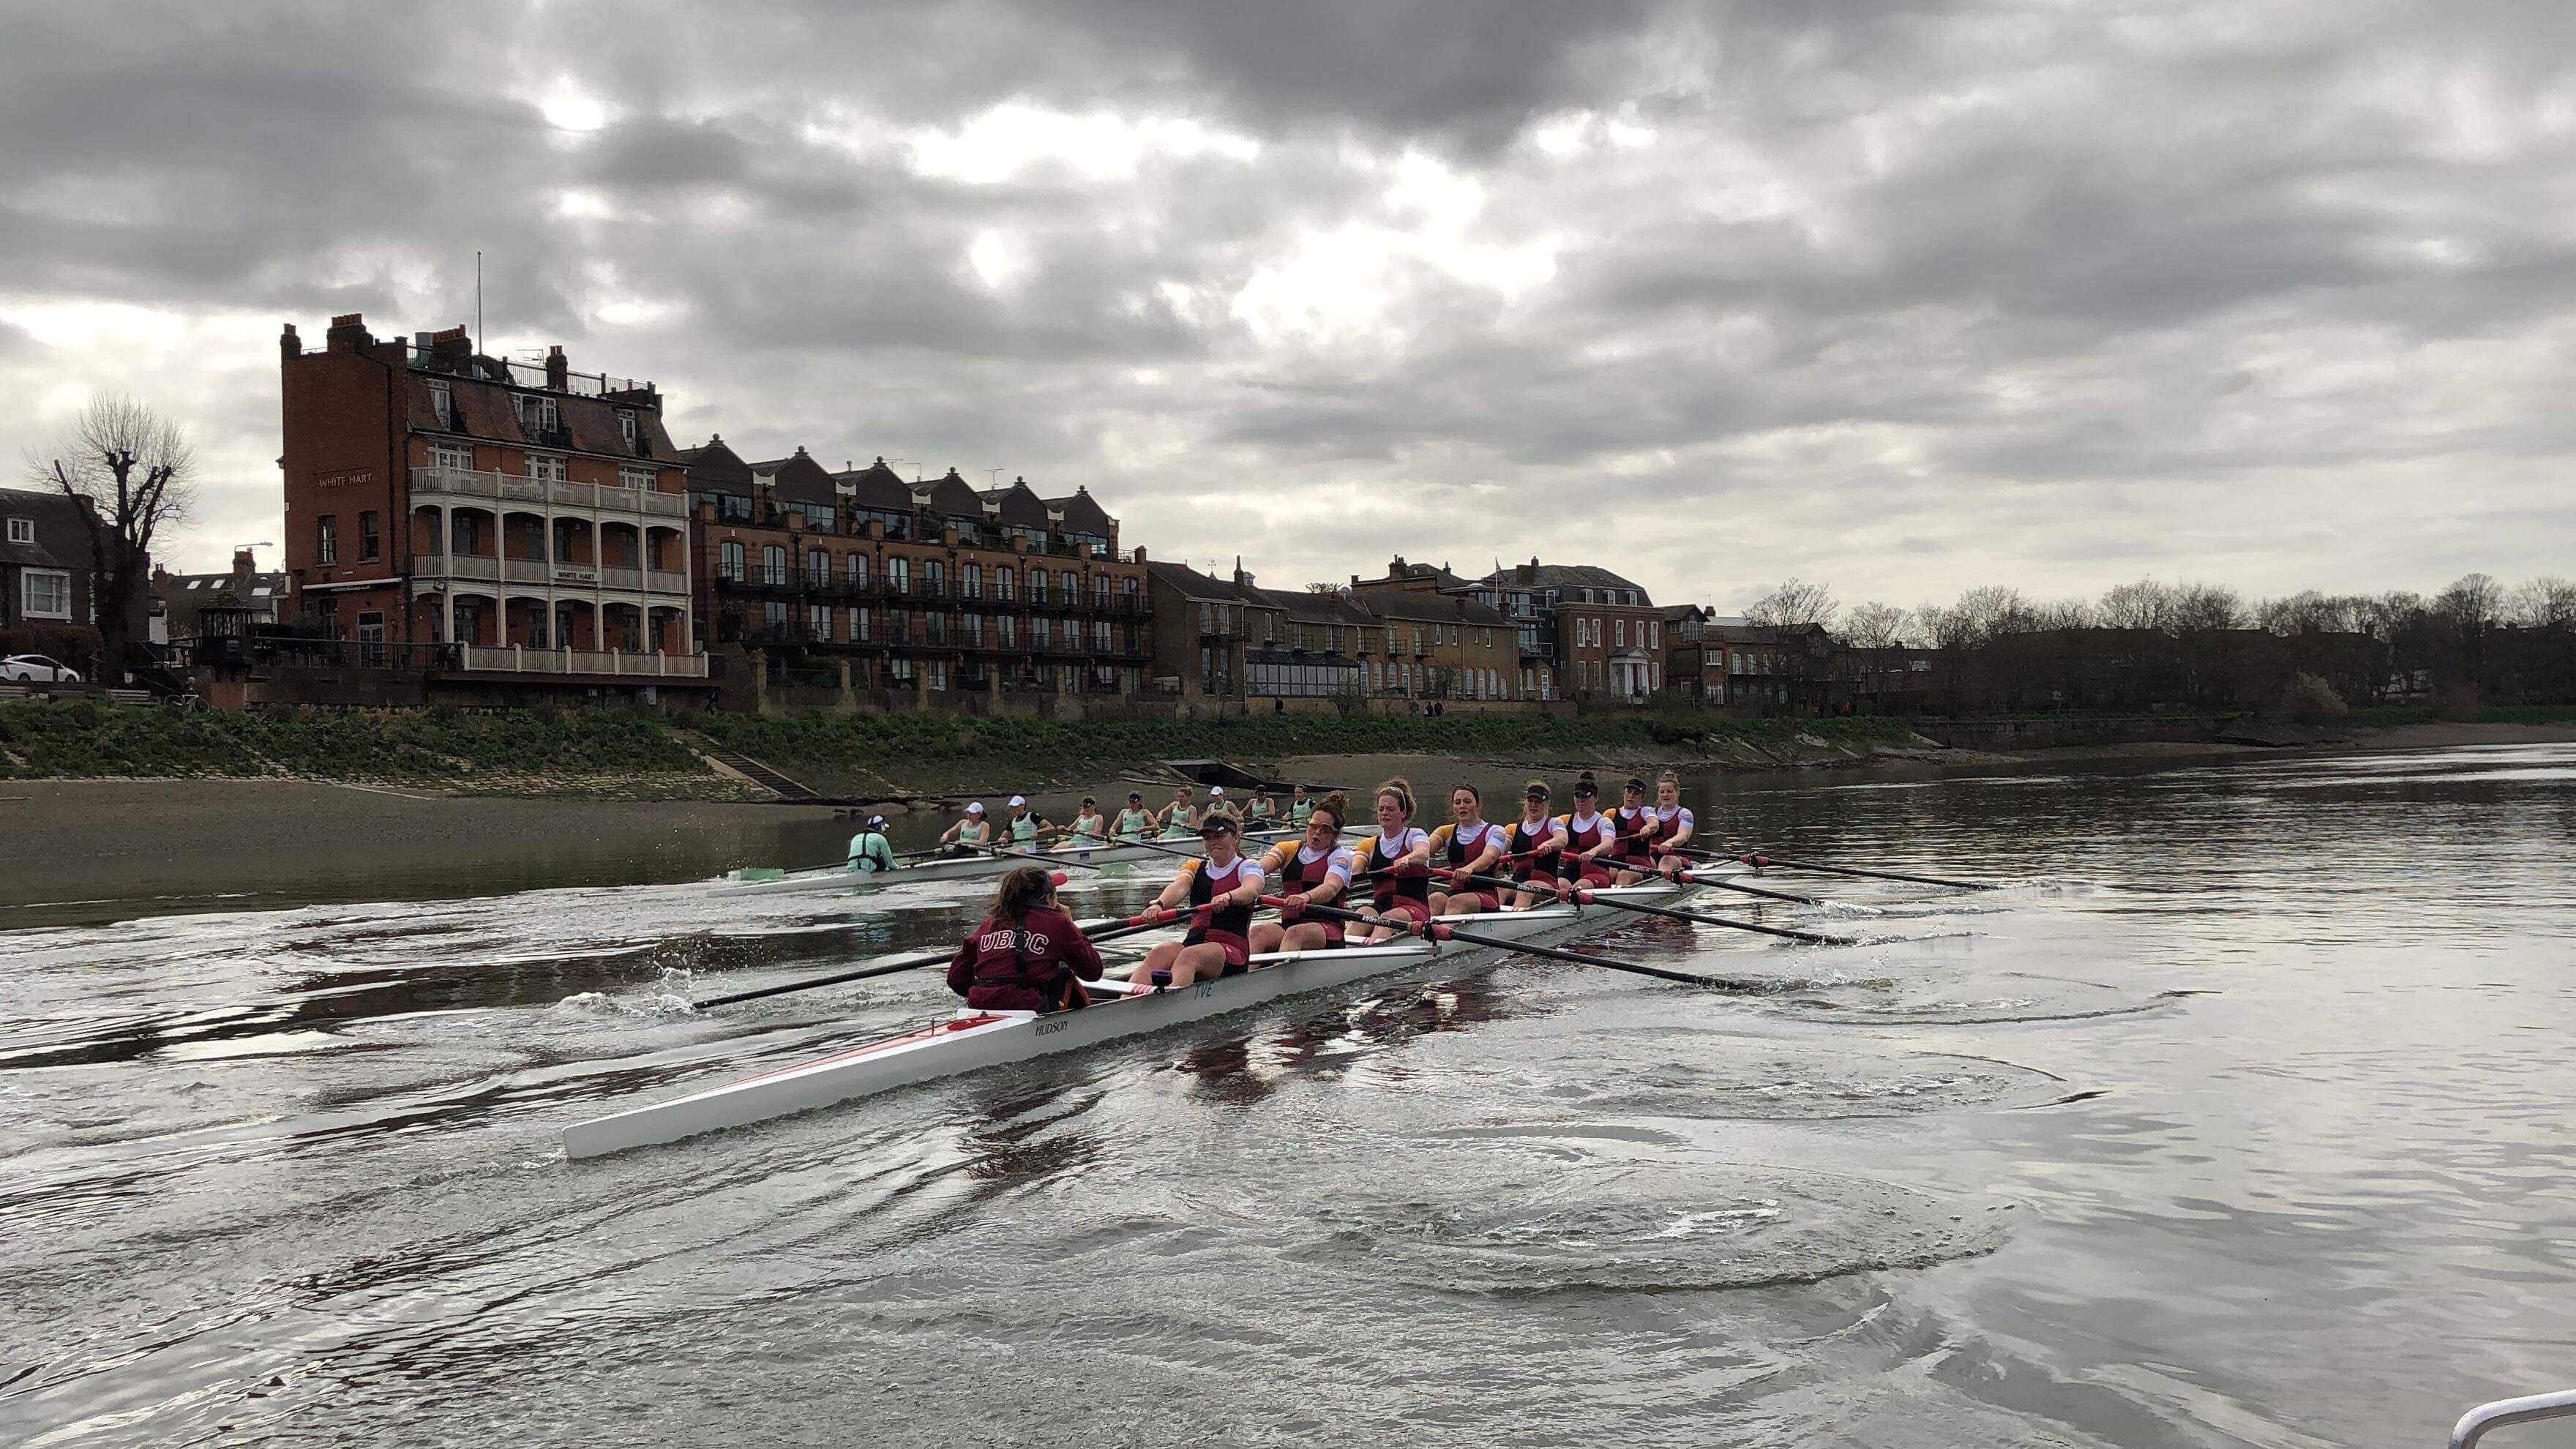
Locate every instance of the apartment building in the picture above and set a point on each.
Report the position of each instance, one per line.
(468, 515)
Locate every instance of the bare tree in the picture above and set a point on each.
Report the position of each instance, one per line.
(2063, 614)
(2473, 601)
(2145, 604)
(1875, 626)
(2206, 606)
(1982, 614)
(1795, 604)
(129, 472)
(2547, 602)
(2306, 612)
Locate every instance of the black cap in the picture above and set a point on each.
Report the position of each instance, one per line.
(1636, 784)
(1535, 792)
(1217, 825)
(1586, 790)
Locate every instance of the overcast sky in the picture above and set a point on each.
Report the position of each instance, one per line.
(1905, 298)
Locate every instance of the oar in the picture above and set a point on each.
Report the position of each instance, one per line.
(1724, 885)
(1105, 928)
(1436, 931)
(1760, 861)
(1620, 903)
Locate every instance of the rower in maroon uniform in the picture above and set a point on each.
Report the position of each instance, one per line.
(1220, 891)
(1398, 857)
(1028, 955)
(1635, 825)
(1312, 870)
(1467, 846)
(1590, 836)
(1531, 849)
(1674, 825)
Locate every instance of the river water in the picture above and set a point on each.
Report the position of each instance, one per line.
(2239, 1117)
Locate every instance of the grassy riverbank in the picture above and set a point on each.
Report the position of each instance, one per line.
(521, 752)
(864, 755)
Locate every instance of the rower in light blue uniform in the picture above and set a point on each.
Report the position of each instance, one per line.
(869, 852)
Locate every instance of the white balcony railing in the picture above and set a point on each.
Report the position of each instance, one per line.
(519, 659)
(481, 568)
(493, 487)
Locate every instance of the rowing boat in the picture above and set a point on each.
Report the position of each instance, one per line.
(974, 1040)
(955, 867)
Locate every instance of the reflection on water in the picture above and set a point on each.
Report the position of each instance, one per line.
(2237, 1118)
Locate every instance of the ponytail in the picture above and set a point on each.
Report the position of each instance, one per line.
(1402, 789)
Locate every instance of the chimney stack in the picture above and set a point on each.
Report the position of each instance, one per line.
(289, 346)
(451, 351)
(349, 333)
(558, 370)
(243, 567)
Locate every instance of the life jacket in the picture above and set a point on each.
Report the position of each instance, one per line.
(1411, 885)
(1204, 888)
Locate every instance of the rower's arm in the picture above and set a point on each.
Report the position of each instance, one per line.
(1487, 858)
(1250, 891)
(1178, 891)
(1683, 826)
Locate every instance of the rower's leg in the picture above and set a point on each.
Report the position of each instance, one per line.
(1158, 959)
(1264, 936)
(1202, 962)
(1304, 936)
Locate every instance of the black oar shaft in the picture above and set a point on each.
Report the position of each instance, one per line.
(1434, 930)
(1621, 903)
(1769, 860)
(1110, 928)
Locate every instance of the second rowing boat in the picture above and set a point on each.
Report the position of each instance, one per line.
(953, 867)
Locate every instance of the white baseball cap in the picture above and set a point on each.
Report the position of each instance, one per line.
(1215, 790)
(1018, 800)
(975, 809)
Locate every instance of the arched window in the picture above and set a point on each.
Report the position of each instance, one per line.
(970, 580)
(859, 570)
(729, 560)
(898, 574)
(773, 563)
(1002, 584)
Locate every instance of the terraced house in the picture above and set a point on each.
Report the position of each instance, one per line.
(483, 520)
(861, 581)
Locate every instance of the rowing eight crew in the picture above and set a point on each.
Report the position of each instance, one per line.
(1546, 857)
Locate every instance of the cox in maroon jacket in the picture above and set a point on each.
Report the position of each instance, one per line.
(1028, 968)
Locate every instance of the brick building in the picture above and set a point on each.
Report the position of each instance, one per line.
(1577, 631)
(492, 521)
(931, 588)
(1439, 646)
(48, 579)
(1208, 631)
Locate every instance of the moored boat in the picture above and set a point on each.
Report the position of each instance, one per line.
(973, 1040)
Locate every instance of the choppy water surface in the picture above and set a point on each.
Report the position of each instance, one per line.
(2239, 1118)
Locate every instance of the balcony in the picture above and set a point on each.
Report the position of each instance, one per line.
(537, 573)
(516, 659)
(479, 486)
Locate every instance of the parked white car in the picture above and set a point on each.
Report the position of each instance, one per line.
(37, 669)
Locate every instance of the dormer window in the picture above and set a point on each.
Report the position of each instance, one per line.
(442, 401)
(626, 425)
(22, 530)
(537, 414)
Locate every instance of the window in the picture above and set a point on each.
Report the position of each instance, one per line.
(898, 574)
(370, 541)
(934, 576)
(1100, 635)
(1072, 586)
(818, 618)
(537, 414)
(729, 561)
(45, 594)
(819, 517)
(858, 626)
(1006, 630)
(1037, 586)
(773, 563)
(970, 580)
(1002, 585)
(442, 401)
(546, 466)
(858, 570)
(1657, 630)
(1038, 632)
(974, 631)
(774, 615)
(326, 540)
(626, 425)
(1100, 589)
(818, 567)
(22, 530)
(1621, 630)
(635, 478)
